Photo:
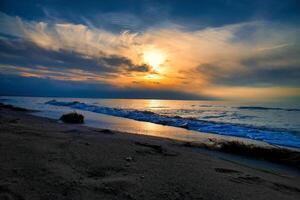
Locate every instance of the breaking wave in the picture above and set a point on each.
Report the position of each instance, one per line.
(272, 136)
(267, 108)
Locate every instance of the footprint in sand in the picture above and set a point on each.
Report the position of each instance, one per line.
(226, 171)
(105, 131)
(102, 172)
(154, 149)
(247, 179)
(285, 188)
(110, 181)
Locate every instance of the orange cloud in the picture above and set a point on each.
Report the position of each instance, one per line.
(204, 61)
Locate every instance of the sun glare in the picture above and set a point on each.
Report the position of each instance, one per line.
(154, 58)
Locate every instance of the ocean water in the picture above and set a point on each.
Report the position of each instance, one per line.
(276, 123)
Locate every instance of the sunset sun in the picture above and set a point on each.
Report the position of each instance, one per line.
(154, 58)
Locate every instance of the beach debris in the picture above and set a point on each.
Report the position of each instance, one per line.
(73, 117)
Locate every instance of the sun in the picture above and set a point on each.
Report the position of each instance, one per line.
(155, 58)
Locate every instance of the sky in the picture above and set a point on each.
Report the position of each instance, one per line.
(192, 49)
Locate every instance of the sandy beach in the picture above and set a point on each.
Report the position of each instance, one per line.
(44, 159)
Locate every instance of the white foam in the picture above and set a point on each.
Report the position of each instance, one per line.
(272, 136)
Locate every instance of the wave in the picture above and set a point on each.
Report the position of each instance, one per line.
(272, 136)
(266, 108)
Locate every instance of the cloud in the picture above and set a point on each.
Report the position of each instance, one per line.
(283, 76)
(248, 54)
(35, 86)
(65, 36)
(29, 55)
(277, 66)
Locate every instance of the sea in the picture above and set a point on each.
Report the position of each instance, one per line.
(274, 123)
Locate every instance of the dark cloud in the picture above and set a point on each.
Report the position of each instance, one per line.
(125, 63)
(263, 77)
(275, 57)
(139, 68)
(116, 15)
(211, 70)
(277, 65)
(6, 36)
(27, 54)
(29, 86)
(279, 68)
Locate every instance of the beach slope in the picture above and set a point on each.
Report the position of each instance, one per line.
(43, 159)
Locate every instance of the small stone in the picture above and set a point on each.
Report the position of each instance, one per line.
(15, 170)
(129, 158)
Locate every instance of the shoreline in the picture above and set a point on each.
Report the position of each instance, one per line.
(50, 160)
(244, 127)
(228, 144)
(260, 134)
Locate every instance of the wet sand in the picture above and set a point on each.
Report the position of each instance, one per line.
(43, 159)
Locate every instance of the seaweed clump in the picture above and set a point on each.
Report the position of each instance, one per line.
(274, 154)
